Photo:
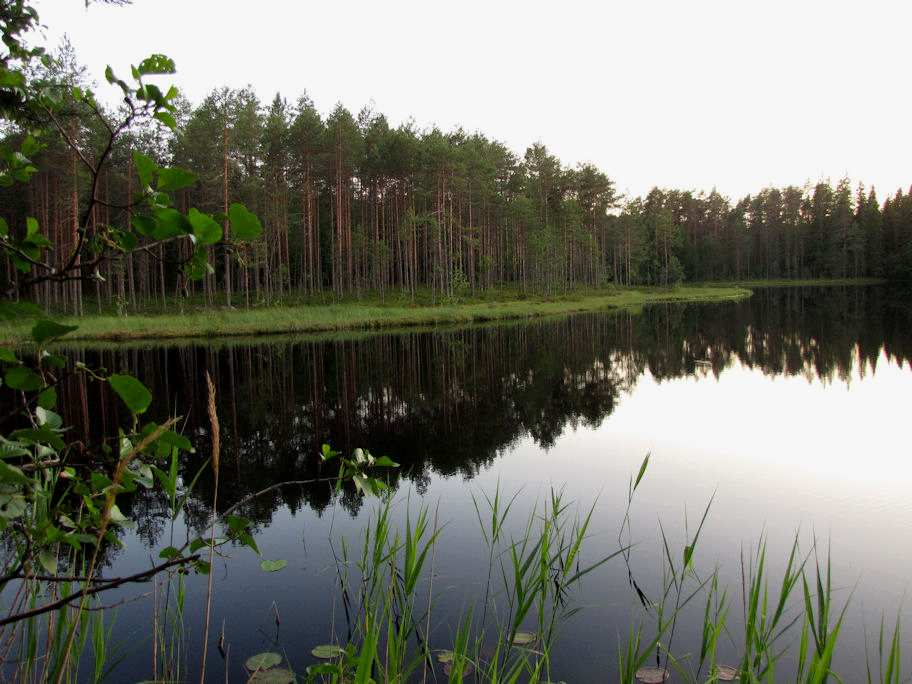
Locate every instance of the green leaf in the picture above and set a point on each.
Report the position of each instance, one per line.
(7, 356)
(170, 223)
(175, 178)
(132, 391)
(642, 472)
(126, 241)
(167, 440)
(236, 523)
(45, 331)
(10, 473)
(10, 78)
(262, 661)
(10, 449)
(31, 227)
(273, 565)
(22, 378)
(151, 92)
(99, 481)
(4, 228)
(206, 230)
(42, 435)
(198, 267)
(145, 168)
(156, 64)
(144, 476)
(327, 651)
(48, 398)
(12, 506)
(166, 118)
(385, 462)
(118, 518)
(49, 418)
(48, 561)
(245, 225)
(30, 146)
(246, 539)
(55, 360)
(144, 225)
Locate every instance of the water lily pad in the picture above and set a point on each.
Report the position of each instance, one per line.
(327, 651)
(724, 673)
(445, 656)
(523, 638)
(274, 676)
(652, 675)
(262, 661)
(273, 565)
(467, 668)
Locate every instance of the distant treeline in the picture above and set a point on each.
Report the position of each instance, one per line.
(351, 204)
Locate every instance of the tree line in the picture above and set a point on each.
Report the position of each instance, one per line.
(351, 204)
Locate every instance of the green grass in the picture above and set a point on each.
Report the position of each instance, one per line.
(319, 314)
(197, 322)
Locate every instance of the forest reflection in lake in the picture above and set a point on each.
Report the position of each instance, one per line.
(791, 406)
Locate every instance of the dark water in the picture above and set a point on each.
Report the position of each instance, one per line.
(792, 407)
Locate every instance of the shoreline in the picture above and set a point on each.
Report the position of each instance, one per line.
(315, 318)
(372, 315)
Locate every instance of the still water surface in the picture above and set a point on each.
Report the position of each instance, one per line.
(792, 407)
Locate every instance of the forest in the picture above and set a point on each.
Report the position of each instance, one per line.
(352, 205)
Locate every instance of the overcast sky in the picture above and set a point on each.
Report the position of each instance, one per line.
(689, 94)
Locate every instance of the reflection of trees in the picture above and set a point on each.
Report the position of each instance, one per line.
(449, 402)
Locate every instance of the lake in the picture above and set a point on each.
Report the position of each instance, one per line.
(789, 408)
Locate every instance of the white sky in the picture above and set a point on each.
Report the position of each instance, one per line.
(690, 94)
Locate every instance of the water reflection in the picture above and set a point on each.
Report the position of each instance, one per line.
(448, 402)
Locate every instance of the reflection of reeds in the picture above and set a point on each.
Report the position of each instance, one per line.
(214, 433)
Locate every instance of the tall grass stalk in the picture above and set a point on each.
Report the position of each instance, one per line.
(214, 459)
(889, 655)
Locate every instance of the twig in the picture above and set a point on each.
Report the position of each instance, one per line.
(138, 577)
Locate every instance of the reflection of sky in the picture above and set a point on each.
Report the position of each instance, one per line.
(748, 427)
(781, 453)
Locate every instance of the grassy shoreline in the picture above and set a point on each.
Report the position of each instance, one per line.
(304, 318)
(199, 322)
